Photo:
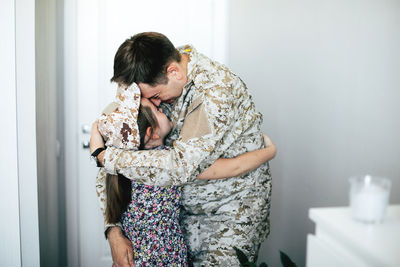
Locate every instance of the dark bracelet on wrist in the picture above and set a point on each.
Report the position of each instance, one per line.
(96, 153)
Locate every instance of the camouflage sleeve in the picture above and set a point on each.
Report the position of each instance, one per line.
(101, 195)
(207, 120)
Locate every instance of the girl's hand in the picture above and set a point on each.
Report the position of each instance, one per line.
(121, 248)
(267, 140)
(96, 140)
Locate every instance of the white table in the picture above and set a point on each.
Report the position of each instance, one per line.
(340, 241)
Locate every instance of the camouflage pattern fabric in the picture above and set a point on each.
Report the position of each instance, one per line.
(118, 126)
(214, 117)
(118, 122)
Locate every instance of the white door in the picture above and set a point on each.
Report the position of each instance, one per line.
(93, 32)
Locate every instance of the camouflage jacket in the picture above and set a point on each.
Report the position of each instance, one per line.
(214, 117)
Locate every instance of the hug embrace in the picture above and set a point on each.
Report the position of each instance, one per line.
(184, 174)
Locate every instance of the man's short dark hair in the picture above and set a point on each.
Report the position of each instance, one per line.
(143, 58)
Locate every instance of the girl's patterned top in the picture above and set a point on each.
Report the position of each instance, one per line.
(151, 222)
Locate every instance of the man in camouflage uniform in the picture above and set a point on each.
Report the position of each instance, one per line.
(214, 116)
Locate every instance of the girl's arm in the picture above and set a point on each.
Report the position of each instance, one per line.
(244, 163)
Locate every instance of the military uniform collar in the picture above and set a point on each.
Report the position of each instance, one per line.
(191, 65)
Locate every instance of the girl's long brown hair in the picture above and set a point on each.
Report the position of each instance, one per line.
(118, 187)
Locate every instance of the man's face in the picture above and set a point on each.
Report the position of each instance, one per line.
(167, 93)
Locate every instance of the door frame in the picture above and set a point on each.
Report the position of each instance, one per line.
(71, 132)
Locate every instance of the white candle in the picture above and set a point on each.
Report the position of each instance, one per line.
(368, 204)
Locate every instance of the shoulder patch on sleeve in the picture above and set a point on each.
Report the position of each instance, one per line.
(196, 123)
(110, 108)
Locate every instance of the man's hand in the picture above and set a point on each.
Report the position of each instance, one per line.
(121, 248)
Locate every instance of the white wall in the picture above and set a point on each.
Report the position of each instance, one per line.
(19, 244)
(10, 240)
(326, 76)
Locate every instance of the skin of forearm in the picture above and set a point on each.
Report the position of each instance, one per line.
(100, 157)
(244, 163)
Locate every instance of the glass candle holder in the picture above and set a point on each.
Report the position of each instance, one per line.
(369, 197)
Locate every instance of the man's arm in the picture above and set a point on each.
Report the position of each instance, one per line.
(204, 126)
(242, 164)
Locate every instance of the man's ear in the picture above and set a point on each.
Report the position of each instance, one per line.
(174, 71)
(148, 132)
(150, 135)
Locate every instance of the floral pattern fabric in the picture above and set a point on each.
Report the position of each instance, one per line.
(151, 222)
